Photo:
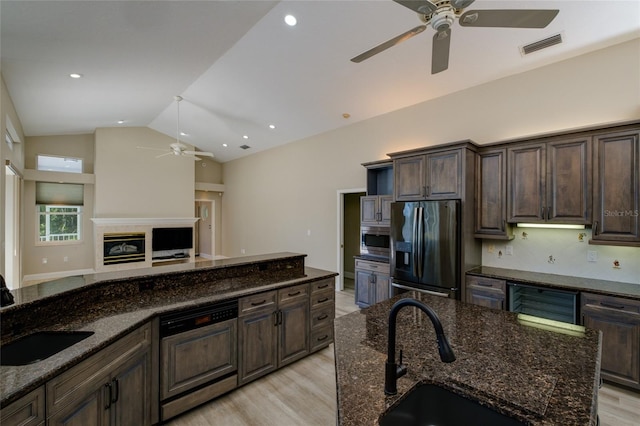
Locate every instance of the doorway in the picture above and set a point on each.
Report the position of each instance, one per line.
(13, 191)
(205, 229)
(348, 233)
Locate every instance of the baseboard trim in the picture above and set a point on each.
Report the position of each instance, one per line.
(55, 275)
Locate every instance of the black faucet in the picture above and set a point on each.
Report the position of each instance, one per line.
(393, 370)
(6, 298)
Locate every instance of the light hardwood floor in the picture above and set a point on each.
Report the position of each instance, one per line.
(304, 394)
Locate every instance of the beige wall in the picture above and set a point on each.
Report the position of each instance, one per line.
(79, 256)
(272, 198)
(132, 182)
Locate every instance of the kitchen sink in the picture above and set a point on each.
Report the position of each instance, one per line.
(431, 405)
(38, 346)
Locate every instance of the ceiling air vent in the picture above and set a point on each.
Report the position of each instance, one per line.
(541, 44)
(245, 146)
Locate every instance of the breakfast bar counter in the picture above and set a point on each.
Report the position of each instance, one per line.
(537, 374)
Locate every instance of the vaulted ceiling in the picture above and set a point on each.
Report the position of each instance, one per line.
(240, 68)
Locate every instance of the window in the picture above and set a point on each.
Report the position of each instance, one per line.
(59, 208)
(58, 164)
(59, 223)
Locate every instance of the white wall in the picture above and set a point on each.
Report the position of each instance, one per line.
(273, 198)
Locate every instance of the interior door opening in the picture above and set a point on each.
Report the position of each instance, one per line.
(205, 229)
(348, 233)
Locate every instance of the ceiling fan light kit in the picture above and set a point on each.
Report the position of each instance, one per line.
(442, 14)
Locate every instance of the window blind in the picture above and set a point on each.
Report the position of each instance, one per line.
(65, 194)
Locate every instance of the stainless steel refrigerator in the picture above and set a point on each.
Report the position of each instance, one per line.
(425, 247)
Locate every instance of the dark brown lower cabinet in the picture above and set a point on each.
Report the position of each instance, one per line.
(619, 320)
(273, 331)
(112, 387)
(487, 292)
(27, 411)
(372, 283)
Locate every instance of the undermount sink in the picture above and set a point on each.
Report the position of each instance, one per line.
(38, 346)
(431, 405)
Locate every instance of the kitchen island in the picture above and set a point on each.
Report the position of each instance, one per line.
(126, 306)
(538, 376)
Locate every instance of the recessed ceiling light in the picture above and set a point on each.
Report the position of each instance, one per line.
(245, 137)
(120, 121)
(184, 134)
(225, 145)
(290, 20)
(75, 75)
(272, 126)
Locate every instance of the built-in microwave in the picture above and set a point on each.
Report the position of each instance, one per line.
(374, 241)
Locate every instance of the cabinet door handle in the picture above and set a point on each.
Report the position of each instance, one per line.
(259, 303)
(107, 388)
(428, 189)
(116, 394)
(548, 213)
(609, 305)
(275, 318)
(295, 293)
(542, 213)
(595, 228)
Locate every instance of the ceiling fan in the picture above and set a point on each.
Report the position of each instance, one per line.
(441, 14)
(177, 147)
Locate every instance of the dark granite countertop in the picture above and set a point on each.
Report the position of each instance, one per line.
(540, 377)
(117, 305)
(566, 282)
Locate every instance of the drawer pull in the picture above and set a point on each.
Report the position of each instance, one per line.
(482, 284)
(323, 286)
(609, 305)
(294, 293)
(323, 316)
(323, 300)
(325, 337)
(259, 303)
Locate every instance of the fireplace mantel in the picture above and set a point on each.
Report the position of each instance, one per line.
(161, 221)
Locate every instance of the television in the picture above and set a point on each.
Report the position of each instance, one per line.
(172, 239)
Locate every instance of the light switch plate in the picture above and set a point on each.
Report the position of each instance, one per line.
(592, 256)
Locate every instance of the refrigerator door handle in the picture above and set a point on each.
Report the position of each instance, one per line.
(414, 243)
(419, 241)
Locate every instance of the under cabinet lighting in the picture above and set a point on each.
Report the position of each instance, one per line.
(290, 20)
(549, 226)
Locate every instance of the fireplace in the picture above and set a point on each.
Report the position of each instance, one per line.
(123, 248)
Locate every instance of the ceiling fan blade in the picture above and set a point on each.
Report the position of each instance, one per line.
(461, 4)
(515, 18)
(440, 55)
(200, 153)
(389, 43)
(424, 7)
(165, 154)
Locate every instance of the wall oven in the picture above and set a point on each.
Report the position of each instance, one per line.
(374, 241)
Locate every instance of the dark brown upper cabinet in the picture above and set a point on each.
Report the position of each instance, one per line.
(616, 191)
(431, 176)
(375, 210)
(550, 182)
(491, 195)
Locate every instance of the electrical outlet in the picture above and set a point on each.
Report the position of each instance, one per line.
(592, 256)
(242, 251)
(308, 232)
(509, 250)
(491, 248)
(66, 258)
(44, 260)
